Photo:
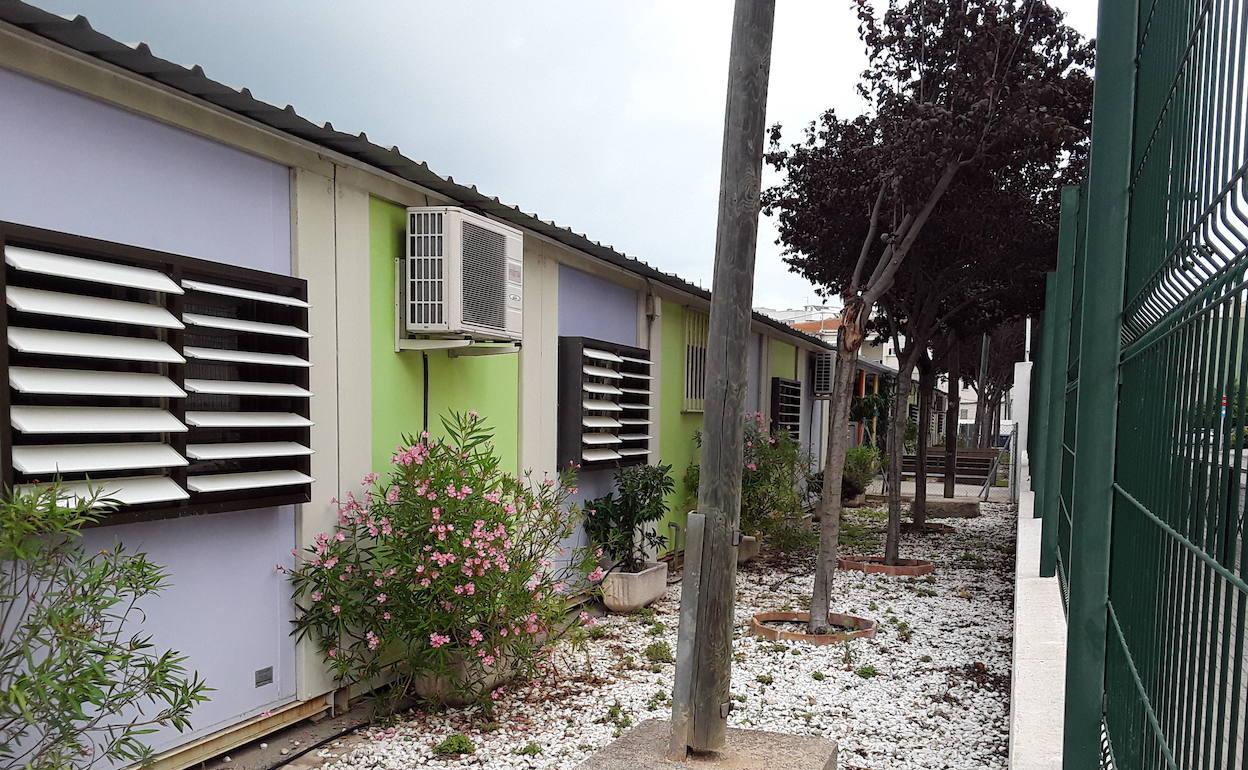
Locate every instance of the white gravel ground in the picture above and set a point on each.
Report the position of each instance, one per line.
(930, 691)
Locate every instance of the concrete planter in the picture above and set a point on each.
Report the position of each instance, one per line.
(748, 550)
(854, 628)
(460, 687)
(630, 591)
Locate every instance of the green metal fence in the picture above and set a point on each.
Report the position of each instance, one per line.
(1139, 453)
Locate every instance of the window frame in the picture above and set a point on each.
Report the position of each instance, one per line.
(178, 268)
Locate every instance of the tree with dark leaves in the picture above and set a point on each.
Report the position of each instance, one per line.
(998, 87)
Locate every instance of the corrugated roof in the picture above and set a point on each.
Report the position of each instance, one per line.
(78, 34)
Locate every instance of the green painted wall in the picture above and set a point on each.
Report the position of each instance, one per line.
(782, 357)
(488, 384)
(676, 428)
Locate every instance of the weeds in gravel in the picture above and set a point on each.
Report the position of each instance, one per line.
(866, 672)
(656, 629)
(764, 679)
(818, 676)
(617, 716)
(659, 652)
(454, 744)
(530, 749)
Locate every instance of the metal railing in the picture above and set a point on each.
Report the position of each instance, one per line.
(1139, 444)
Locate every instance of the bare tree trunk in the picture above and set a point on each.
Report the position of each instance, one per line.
(896, 448)
(927, 385)
(952, 415)
(849, 340)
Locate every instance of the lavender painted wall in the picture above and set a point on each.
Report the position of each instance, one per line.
(79, 166)
(590, 306)
(71, 163)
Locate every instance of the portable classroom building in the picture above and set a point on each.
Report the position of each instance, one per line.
(120, 158)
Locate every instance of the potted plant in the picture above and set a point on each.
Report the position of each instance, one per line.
(619, 524)
(862, 463)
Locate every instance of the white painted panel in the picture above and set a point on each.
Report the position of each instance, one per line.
(634, 376)
(226, 482)
(242, 325)
(632, 360)
(601, 389)
(63, 305)
(633, 421)
(93, 419)
(233, 291)
(81, 458)
(601, 355)
(634, 437)
(246, 420)
(244, 357)
(77, 344)
(595, 405)
(635, 391)
(135, 490)
(634, 451)
(78, 268)
(83, 382)
(599, 421)
(637, 407)
(236, 388)
(599, 439)
(597, 455)
(600, 371)
(246, 449)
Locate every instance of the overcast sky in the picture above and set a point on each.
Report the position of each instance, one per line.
(604, 116)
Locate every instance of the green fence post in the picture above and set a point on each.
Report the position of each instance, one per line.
(1109, 181)
(1040, 397)
(1058, 363)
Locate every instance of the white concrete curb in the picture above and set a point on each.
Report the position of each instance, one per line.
(1038, 681)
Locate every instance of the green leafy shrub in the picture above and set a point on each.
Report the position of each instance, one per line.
(866, 672)
(444, 569)
(618, 522)
(862, 463)
(775, 476)
(530, 749)
(455, 744)
(78, 687)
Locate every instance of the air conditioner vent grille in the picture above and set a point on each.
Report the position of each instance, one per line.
(485, 276)
(425, 269)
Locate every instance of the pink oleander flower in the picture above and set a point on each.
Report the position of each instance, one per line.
(332, 652)
(597, 575)
(587, 619)
(437, 640)
(373, 641)
(336, 609)
(369, 479)
(392, 495)
(340, 537)
(316, 596)
(385, 616)
(751, 466)
(381, 598)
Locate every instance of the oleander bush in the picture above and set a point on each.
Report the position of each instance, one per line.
(80, 684)
(446, 569)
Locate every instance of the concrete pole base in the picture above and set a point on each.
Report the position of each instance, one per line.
(645, 748)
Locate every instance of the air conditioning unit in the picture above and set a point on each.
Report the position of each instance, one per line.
(822, 375)
(462, 276)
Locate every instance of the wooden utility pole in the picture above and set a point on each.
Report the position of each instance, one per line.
(700, 700)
